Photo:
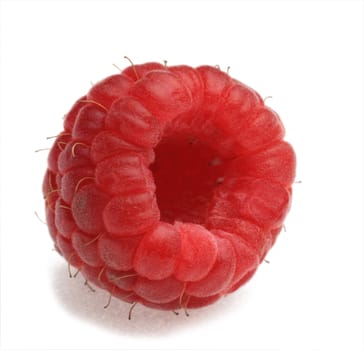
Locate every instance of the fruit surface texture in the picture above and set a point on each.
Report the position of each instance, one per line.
(168, 185)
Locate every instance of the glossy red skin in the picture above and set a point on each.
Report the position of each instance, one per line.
(168, 185)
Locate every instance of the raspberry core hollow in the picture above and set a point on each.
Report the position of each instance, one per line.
(168, 185)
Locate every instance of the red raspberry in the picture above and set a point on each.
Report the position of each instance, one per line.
(168, 185)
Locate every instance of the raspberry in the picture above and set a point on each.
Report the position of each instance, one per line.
(168, 185)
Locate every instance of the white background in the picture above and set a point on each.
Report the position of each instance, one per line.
(307, 54)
